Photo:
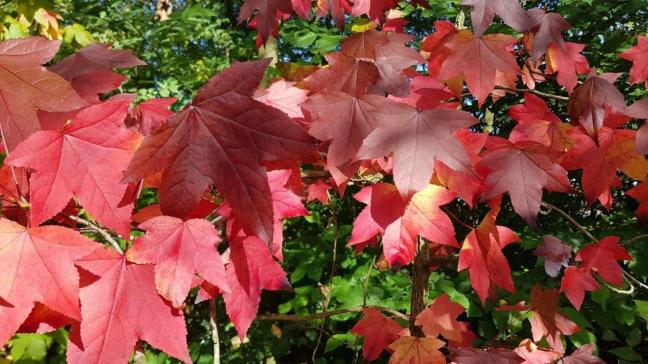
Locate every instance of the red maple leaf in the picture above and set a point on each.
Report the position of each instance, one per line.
(285, 205)
(337, 9)
(640, 193)
(266, 15)
(533, 354)
(370, 58)
(417, 139)
(400, 221)
(179, 249)
(119, 306)
(639, 110)
(466, 185)
(85, 159)
(25, 87)
(529, 163)
(284, 96)
(568, 62)
(150, 114)
(638, 55)
(90, 69)
(602, 257)
(440, 318)
(575, 283)
(482, 255)
(545, 319)
(510, 11)
(95, 57)
(588, 103)
(343, 74)
(547, 29)
(584, 355)
(38, 268)
(378, 331)
(537, 123)
(251, 270)
(478, 59)
(345, 121)
(222, 138)
(415, 350)
(556, 254)
(319, 191)
(374, 9)
(614, 150)
(302, 8)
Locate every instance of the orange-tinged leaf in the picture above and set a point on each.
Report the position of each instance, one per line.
(568, 62)
(378, 332)
(400, 221)
(479, 58)
(414, 350)
(532, 354)
(440, 318)
(482, 255)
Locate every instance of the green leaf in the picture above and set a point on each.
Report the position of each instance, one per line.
(601, 296)
(642, 309)
(626, 353)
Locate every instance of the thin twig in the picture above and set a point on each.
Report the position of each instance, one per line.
(325, 314)
(576, 224)
(327, 299)
(213, 323)
(456, 218)
(105, 234)
(636, 238)
(629, 278)
(628, 291)
(634, 279)
(535, 92)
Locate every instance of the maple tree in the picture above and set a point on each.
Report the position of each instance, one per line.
(119, 218)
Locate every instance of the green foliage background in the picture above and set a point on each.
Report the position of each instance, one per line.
(202, 37)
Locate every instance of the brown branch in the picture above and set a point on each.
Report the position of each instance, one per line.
(535, 92)
(456, 218)
(629, 278)
(576, 224)
(105, 234)
(213, 323)
(420, 278)
(325, 314)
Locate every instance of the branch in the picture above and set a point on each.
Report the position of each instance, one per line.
(628, 277)
(535, 92)
(325, 314)
(576, 224)
(213, 323)
(105, 234)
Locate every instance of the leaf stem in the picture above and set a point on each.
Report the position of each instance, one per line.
(105, 234)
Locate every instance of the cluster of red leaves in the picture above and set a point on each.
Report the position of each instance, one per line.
(232, 156)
